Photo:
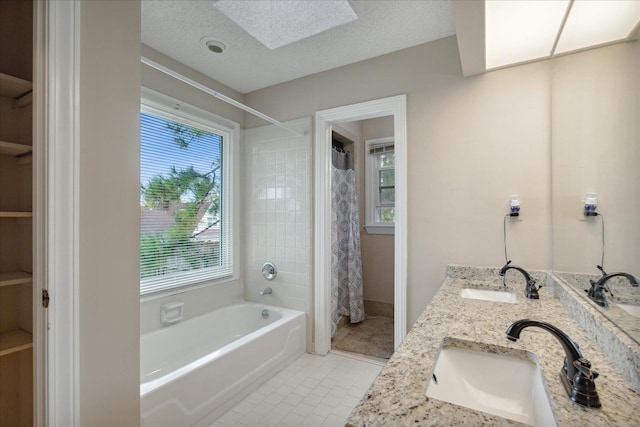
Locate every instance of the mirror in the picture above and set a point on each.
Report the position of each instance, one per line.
(595, 116)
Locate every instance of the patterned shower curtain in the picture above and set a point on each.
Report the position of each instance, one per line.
(346, 265)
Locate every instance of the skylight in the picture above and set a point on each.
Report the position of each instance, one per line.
(521, 31)
(592, 23)
(276, 23)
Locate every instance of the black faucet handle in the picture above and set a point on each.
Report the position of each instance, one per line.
(584, 368)
(583, 387)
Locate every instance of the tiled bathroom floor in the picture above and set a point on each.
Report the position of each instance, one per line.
(312, 391)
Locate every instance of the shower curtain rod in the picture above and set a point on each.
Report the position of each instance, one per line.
(215, 94)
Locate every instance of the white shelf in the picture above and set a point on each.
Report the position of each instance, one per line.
(13, 87)
(14, 341)
(13, 149)
(15, 278)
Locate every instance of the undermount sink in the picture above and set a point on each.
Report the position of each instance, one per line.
(489, 295)
(507, 386)
(633, 310)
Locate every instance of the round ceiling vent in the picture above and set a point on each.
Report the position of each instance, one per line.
(214, 45)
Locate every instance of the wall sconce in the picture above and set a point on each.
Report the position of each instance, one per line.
(591, 204)
(514, 205)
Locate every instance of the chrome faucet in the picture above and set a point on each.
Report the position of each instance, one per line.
(532, 290)
(266, 291)
(576, 375)
(597, 290)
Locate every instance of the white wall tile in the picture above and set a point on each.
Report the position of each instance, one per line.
(277, 194)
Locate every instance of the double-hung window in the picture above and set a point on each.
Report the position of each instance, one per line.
(185, 199)
(380, 186)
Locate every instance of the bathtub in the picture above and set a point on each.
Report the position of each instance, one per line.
(195, 370)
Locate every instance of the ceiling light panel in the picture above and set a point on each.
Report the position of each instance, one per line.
(596, 22)
(520, 31)
(276, 23)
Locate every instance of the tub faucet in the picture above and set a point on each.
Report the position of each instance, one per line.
(597, 290)
(266, 291)
(532, 290)
(576, 375)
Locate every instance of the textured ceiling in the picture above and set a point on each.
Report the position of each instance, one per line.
(176, 29)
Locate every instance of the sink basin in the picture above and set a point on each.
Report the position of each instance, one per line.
(633, 310)
(488, 295)
(506, 386)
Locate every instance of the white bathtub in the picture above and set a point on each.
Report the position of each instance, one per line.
(193, 371)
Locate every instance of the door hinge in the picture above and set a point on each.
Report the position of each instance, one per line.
(45, 298)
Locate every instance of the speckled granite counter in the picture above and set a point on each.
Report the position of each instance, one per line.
(624, 294)
(396, 397)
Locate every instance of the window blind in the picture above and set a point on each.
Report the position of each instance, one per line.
(380, 148)
(185, 232)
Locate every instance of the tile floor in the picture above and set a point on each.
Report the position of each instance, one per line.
(371, 337)
(312, 391)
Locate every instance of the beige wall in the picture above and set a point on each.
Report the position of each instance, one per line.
(161, 82)
(471, 143)
(596, 148)
(109, 340)
(377, 249)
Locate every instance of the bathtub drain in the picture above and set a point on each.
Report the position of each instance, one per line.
(265, 314)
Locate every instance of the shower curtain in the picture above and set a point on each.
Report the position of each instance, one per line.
(346, 264)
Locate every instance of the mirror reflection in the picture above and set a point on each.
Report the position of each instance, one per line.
(596, 177)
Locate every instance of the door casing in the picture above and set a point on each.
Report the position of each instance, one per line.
(393, 106)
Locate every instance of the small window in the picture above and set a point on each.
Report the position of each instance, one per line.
(185, 221)
(380, 186)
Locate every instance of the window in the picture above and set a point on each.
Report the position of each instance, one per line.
(380, 186)
(185, 198)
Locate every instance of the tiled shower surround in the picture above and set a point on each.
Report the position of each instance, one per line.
(276, 174)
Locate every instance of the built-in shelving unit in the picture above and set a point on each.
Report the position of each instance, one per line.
(15, 278)
(16, 223)
(14, 214)
(13, 149)
(16, 88)
(14, 341)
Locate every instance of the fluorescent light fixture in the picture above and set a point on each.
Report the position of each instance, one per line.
(521, 31)
(596, 22)
(526, 30)
(276, 23)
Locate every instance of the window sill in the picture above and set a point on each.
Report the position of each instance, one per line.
(380, 229)
(149, 295)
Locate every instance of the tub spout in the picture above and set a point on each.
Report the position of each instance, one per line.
(265, 291)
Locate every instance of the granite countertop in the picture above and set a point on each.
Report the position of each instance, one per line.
(624, 294)
(397, 398)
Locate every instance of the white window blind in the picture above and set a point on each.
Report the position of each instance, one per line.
(380, 186)
(381, 148)
(185, 224)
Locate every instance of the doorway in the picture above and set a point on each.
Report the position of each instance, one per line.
(326, 120)
(362, 247)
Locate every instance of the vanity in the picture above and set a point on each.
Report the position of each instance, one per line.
(398, 395)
